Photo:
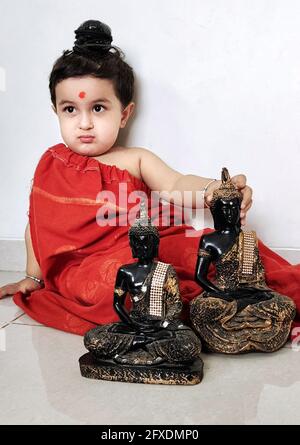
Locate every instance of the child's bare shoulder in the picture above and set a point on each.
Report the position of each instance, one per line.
(131, 151)
(124, 158)
(134, 154)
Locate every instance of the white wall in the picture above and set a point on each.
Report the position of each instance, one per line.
(218, 85)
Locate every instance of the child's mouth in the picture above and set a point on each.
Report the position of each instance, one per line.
(87, 139)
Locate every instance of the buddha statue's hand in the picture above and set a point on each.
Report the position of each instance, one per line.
(248, 290)
(241, 292)
(223, 295)
(147, 327)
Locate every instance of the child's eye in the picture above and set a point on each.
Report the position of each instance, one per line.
(98, 106)
(68, 108)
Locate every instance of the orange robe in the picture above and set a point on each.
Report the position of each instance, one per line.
(79, 257)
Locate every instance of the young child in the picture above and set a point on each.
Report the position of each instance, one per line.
(72, 259)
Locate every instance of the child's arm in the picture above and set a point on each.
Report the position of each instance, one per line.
(32, 266)
(162, 178)
(26, 285)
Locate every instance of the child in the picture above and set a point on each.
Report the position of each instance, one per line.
(72, 259)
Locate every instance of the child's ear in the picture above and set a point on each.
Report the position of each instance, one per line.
(126, 113)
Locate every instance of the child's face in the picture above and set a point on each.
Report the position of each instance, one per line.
(83, 114)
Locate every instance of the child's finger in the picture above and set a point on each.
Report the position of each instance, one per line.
(245, 210)
(239, 181)
(8, 289)
(247, 197)
(4, 291)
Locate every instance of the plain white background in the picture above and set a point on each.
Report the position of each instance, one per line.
(218, 84)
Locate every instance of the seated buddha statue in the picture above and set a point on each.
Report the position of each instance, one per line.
(237, 312)
(151, 332)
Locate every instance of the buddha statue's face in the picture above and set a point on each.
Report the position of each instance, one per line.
(144, 247)
(226, 213)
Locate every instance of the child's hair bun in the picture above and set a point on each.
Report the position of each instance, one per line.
(93, 39)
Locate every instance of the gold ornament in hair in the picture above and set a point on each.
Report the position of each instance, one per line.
(227, 189)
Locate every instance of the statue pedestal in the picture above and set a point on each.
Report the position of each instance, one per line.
(165, 374)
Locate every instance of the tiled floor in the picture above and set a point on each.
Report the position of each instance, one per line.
(41, 384)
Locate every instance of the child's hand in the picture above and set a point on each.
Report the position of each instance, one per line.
(240, 182)
(26, 285)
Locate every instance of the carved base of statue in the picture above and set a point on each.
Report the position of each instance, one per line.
(164, 373)
(164, 356)
(237, 312)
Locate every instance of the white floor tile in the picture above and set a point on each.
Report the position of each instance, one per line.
(25, 319)
(41, 365)
(7, 277)
(9, 311)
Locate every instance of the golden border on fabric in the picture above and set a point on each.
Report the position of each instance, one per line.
(78, 201)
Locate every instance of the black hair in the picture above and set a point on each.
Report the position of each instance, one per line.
(92, 56)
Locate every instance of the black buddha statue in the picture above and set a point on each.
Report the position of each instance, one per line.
(238, 312)
(150, 344)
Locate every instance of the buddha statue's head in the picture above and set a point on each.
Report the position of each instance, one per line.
(226, 204)
(143, 236)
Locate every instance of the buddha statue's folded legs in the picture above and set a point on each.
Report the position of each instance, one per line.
(263, 326)
(176, 346)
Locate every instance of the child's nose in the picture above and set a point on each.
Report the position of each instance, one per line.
(86, 121)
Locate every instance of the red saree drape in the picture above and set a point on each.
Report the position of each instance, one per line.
(79, 258)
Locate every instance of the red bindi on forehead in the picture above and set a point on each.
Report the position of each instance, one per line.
(82, 94)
